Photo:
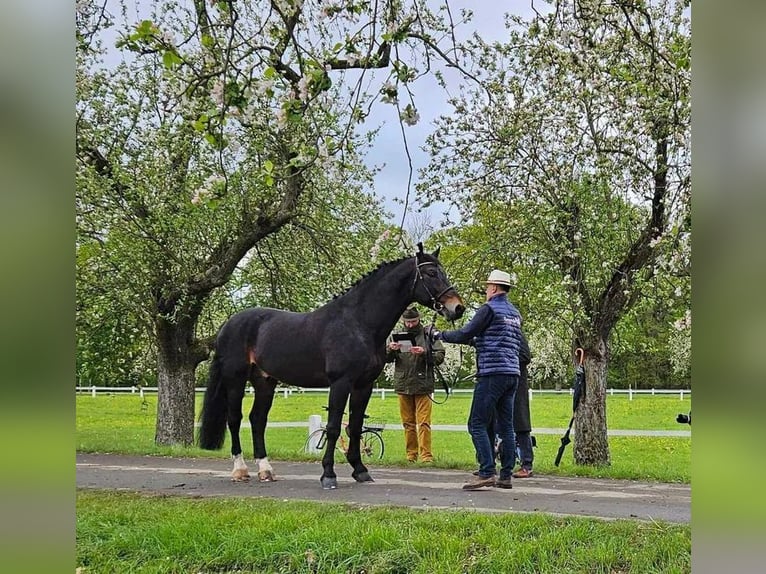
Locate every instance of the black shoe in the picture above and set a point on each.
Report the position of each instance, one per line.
(503, 483)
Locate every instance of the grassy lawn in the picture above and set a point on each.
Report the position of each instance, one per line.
(124, 532)
(121, 532)
(124, 423)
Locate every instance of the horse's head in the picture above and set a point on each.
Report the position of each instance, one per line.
(432, 287)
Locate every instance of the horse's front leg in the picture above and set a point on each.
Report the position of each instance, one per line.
(263, 399)
(360, 398)
(336, 403)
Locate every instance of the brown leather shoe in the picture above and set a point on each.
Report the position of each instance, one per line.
(479, 482)
(522, 473)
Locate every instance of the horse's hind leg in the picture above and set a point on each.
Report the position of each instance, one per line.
(236, 393)
(264, 396)
(357, 407)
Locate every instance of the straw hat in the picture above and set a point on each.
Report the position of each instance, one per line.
(499, 278)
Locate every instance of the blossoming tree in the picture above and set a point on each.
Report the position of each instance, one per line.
(208, 128)
(578, 167)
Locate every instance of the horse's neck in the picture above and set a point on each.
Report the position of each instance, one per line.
(381, 298)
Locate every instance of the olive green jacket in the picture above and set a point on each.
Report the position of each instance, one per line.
(410, 374)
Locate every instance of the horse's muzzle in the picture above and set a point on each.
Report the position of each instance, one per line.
(453, 307)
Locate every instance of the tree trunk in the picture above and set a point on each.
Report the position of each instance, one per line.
(176, 363)
(591, 445)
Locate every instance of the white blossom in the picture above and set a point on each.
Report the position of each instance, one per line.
(167, 38)
(410, 115)
(303, 88)
(216, 92)
(281, 117)
(263, 86)
(328, 9)
(390, 93)
(205, 191)
(375, 250)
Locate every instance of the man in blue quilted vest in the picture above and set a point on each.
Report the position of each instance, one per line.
(495, 331)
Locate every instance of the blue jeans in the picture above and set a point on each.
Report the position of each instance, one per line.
(524, 447)
(493, 393)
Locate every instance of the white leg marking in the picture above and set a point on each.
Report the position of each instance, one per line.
(240, 472)
(265, 471)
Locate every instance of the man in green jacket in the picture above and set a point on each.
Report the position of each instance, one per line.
(414, 383)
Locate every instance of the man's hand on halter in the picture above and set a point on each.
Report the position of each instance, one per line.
(432, 332)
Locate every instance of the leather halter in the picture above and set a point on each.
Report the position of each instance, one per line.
(436, 305)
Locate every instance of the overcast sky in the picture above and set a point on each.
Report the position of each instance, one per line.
(388, 151)
(431, 102)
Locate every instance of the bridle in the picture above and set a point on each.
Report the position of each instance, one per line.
(436, 305)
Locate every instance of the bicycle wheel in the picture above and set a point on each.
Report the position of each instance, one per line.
(372, 445)
(316, 442)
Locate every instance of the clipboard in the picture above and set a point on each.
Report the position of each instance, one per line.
(405, 340)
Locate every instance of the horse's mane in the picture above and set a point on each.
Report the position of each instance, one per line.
(380, 266)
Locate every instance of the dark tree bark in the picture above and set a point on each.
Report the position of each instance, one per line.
(591, 446)
(178, 354)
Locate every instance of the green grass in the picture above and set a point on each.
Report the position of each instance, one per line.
(124, 423)
(121, 532)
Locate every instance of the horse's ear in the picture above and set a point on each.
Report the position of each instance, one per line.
(436, 253)
(420, 248)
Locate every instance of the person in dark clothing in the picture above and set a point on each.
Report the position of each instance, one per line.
(522, 422)
(495, 331)
(522, 426)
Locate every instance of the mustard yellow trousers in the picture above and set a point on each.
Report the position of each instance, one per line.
(415, 411)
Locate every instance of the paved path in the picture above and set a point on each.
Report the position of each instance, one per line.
(422, 488)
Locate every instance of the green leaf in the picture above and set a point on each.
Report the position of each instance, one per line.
(145, 28)
(171, 59)
(200, 124)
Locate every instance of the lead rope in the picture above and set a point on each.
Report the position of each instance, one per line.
(436, 372)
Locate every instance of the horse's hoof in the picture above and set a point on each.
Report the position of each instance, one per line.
(240, 475)
(266, 476)
(362, 477)
(329, 483)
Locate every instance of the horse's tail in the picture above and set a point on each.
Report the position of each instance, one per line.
(213, 417)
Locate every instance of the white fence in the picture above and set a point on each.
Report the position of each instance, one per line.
(287, 391)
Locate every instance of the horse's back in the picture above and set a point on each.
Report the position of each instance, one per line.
(283, 344)
(257, 322)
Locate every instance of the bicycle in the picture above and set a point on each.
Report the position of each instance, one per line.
(371, 444)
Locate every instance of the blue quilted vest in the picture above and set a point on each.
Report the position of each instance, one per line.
(498, 346)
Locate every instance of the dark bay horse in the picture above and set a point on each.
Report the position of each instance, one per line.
(341, 345)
